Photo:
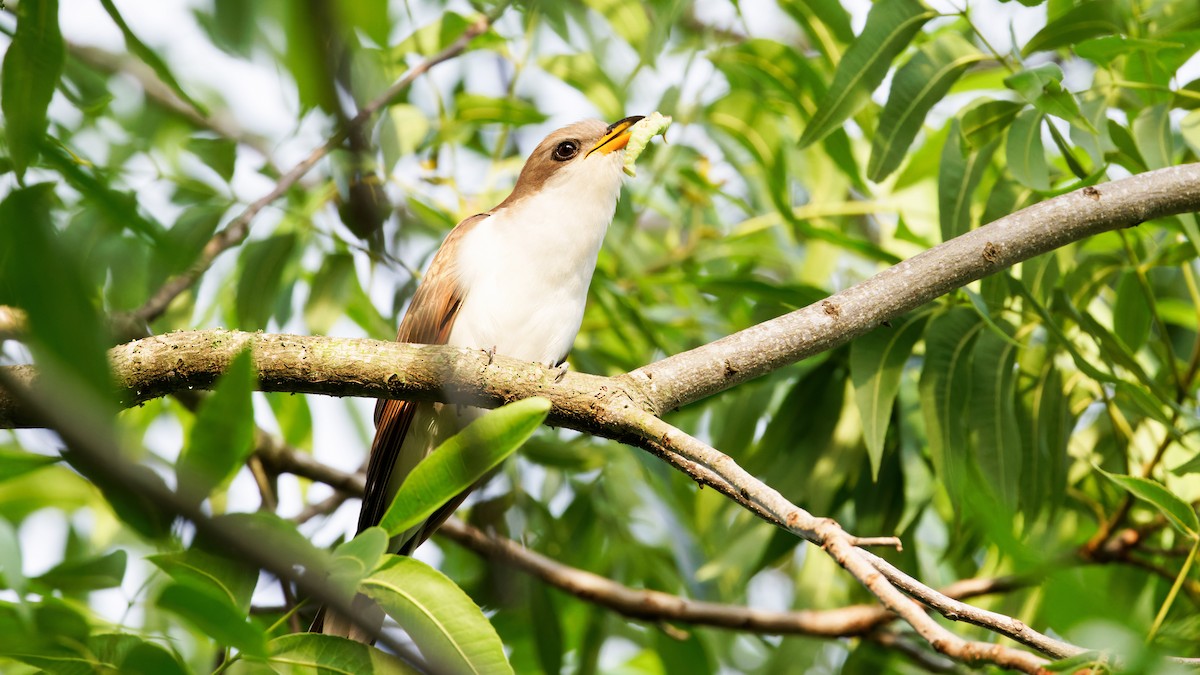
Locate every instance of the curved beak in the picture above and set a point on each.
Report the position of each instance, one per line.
(616, 137)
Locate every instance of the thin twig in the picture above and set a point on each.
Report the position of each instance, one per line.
(238, 228)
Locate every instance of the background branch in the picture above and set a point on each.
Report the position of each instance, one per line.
(237, 229)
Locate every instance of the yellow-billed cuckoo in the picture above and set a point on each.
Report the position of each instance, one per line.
(513, 280)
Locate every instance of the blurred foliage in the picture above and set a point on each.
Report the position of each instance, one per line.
(1037, 422)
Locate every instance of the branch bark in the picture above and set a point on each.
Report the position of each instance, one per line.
(625, 407)
(692, 375)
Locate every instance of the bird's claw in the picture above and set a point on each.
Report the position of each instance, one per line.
(560, 372)
(491, 354)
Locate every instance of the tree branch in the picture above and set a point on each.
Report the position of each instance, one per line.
(655, 606)
(158, 92)
(841, 546)
(237, 229)
(624, 408)
(692, 375)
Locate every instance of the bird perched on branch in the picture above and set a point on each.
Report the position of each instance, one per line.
(512, 281)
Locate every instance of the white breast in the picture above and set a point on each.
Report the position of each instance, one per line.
(526, 268)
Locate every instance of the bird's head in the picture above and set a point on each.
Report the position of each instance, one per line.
(582, 158)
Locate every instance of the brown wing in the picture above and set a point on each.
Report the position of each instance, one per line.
(429, 320)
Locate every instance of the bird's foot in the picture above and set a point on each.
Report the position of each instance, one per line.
(491, 354)
(561, 371)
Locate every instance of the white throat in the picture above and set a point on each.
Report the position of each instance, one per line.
(526, 268)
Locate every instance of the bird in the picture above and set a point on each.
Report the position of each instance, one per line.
(511, 281)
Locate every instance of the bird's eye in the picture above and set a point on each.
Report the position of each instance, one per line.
(566, 150)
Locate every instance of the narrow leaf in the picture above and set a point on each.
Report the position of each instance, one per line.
(993, 415)
(462, 460)
(917, 86)
(73, 576)
(355, 559)
(329, 654)
(1025, 152)
(891, 25)
(261, 278)
(215, 616)
(1088, 20)
(945, 388)
(1152, 130)
(1131, 314)
(14, 463)
(32, 66)
(223, 435)
(958, 176)
(876, 362)
(135, 45)
(987, 120)
(1175, 509)
(448, 627)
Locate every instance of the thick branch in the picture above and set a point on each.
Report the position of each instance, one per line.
(690, 376)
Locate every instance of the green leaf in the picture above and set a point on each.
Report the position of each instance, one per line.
(582, 71)
(829, 13)
(139, 48)
(147, 658)
(958, 177)
(12, 573)
(308, 41)
(33, 63)
(294, 417)
(329, 290)
(876, 362)
(775, 71)
(14, 463)
(986, 120)
(1025, 153)
(1042, 86)
(628, 18)
(1044, 416)
(262, 264)
(232, 579)
(1131, 314)
(1106, 48)
(213, 615)
(46, 280)
(437, 35)
(916, 87)
(1088, 20)
(1152, 129)
(450, 630)
(74, 576)
(463, 459)
(404, 130)
(368, 16)
(223, 435)
(476, 109)
(945, 388)
(891, 25)
(219, 154)
(355, 559)
(999, 451)
(119, 208)
(1177, 511)
(329, 654)
(548, 638)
